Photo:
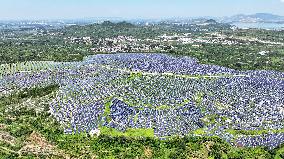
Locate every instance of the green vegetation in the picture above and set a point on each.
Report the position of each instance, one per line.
(41, 50)
(107, 108)
(135, 75)
(128, 133)
(253, 132)
(163, 107)
(279, 153)
(199, 132)
(240, 57)
(56, 46)
(109, 29)
(271, 35)
(199, 98)
(27, 93)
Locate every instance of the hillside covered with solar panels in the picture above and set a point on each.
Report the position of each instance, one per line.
(155, 95)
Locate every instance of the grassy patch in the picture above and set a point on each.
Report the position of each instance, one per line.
(252, 132)
(134, 75)
(199, 132)
(163, 107)
(107, 109)
(128, 133)
(198, 98)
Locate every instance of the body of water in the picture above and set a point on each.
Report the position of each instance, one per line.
(271, 26)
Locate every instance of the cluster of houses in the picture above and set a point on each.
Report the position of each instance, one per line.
(122, 44)
(163, 43)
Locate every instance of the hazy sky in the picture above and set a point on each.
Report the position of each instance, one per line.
(50, 9)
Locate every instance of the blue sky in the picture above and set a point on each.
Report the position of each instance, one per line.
(50, 9)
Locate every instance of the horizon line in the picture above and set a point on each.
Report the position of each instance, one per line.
(126, 18)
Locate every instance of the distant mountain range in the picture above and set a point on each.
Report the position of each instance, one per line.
(254, 18)
(240, 18)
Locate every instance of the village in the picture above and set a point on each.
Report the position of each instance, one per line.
(164, 43)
